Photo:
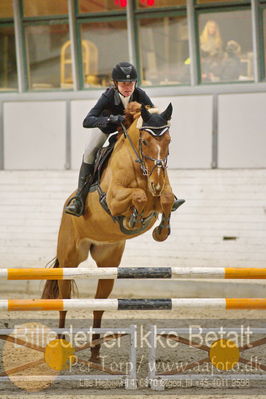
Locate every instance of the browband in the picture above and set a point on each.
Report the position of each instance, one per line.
(153, 129)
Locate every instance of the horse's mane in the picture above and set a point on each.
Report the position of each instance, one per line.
(132, 112)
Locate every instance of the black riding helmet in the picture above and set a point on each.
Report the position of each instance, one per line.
(124, 72)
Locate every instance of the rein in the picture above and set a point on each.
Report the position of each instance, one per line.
(158, 163)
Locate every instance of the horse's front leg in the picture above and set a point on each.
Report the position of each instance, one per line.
(161, 232)
(121, 199)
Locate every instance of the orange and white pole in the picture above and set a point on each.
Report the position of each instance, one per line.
(132, 304)
(133, 273)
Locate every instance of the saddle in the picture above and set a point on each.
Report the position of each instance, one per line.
(102, 157)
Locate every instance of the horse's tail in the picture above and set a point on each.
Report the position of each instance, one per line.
(51, 290)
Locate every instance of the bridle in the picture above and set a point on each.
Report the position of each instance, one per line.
(158, 163)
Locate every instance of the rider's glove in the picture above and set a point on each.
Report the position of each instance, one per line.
(116, 119)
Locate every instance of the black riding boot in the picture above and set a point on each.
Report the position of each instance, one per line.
(76, 204)
(177, 203)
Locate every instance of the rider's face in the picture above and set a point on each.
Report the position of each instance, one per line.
(126, 88)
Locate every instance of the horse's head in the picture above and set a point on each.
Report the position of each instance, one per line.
(154, 143)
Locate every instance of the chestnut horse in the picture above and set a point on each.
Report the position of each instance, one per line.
(137, 189)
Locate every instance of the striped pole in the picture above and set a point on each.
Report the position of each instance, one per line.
(132, 304)
(133, 273)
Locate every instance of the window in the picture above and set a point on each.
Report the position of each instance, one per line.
(264, 41)
(88, 6)
(225, 43)
(48, 55)
(223, 29)
(100, 50)
(159, 3)
(49, 62)
(216, 1)
(6, 9)
(38, 8)
(8, 66)
(163, 46)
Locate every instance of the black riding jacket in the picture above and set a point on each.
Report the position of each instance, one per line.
(110, 104)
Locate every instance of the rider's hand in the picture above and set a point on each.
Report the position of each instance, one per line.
(116, 119)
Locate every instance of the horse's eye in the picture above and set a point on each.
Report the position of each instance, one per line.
(144, 142)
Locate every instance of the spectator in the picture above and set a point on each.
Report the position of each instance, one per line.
(211, 51)
(231, 66)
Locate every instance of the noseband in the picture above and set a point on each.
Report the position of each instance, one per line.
(158, 163)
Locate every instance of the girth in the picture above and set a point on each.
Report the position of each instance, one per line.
(120, 219)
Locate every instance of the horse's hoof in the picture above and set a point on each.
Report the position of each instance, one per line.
(132, 223)
(133, 219)
(158, 235)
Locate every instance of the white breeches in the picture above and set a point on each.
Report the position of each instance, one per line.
(96, 142)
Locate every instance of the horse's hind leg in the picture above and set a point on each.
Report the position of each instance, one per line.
(65, 288)
(71, 251)
(72, 258)
(105, 255)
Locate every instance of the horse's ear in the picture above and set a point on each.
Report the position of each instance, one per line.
(167, 114)
(145, 113)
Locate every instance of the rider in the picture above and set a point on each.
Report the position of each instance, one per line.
(106, 115)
